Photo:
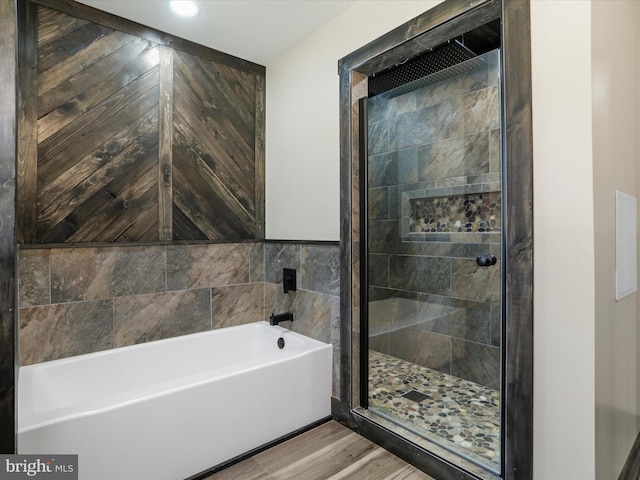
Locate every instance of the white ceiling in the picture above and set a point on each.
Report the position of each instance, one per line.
(255, 30)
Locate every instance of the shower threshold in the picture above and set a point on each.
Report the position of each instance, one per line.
(457, 414)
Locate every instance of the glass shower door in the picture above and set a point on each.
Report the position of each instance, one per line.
(433, 207)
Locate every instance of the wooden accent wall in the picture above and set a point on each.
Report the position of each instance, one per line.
(131, 140)
(213, 150)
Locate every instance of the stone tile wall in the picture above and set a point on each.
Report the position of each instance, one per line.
(82, 300)
(433, 305)
(316, 303)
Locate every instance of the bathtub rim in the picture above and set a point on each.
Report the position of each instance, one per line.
(164, 341)
(132, 397)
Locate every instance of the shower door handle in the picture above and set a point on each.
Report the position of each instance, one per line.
(486, 260)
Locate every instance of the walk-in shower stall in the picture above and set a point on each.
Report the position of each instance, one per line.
(440, 281)
(433, 228)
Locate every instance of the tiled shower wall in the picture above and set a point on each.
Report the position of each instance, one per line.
(82, 300)
(433, 305)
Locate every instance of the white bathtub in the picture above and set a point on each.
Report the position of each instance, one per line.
(173, 408)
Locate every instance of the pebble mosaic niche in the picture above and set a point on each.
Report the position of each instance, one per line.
(475, 212)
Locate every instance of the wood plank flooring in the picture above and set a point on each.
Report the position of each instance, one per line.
(328, 452)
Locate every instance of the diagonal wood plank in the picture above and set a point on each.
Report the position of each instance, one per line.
(113, 219)
(201, 204)
(109, 73)
(65, 203)
(64, 47)
(189, 129)
(95, 166)
(183, 228)
(243, 85)
(128, 208)
(204, 90)
(95, 213)
(227, 143)
(61, 232)
(138, 168)
(76, 63)
(145, 229)
(86, 212)
(53, 24)
(93, 96)
(230, 101)
(213, 195)
(235, 167)
(204, 208)
(189, 222)
(88, 133)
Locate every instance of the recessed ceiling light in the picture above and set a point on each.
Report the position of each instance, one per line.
(185, 8)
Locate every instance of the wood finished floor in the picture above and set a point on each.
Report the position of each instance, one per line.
(328, 452)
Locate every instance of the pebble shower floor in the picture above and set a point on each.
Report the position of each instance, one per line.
(460, 415)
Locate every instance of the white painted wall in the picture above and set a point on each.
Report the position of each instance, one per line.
(302, 133)
(302, 158)
(563, 241)
(615, 156)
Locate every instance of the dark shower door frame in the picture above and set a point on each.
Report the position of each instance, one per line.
(363, 165)
(445, 21)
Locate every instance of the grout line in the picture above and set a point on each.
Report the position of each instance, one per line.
(113, 323)
(210, 308)
(450, 355)
(50, 279)
(166, 268)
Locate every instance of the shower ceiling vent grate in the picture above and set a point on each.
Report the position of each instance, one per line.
(440, 64)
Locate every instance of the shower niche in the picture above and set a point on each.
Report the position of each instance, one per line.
(456, 213)
(439, 289)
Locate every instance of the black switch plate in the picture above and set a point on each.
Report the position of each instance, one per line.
(289, 280)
